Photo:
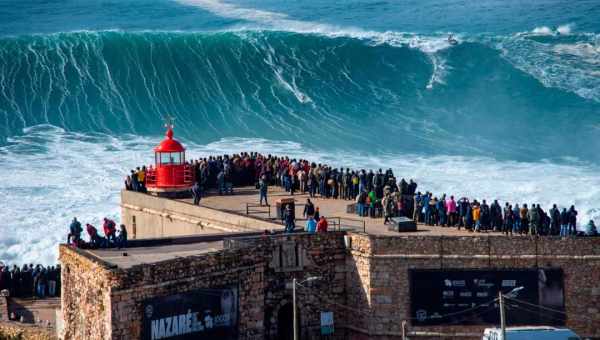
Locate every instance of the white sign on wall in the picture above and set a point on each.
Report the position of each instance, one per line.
(326, 323)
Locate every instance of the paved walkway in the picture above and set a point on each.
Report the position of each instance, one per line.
(332, 209)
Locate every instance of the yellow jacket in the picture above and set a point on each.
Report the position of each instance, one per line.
(141, 175)
(476, 213)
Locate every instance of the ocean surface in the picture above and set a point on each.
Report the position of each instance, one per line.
(510, 112)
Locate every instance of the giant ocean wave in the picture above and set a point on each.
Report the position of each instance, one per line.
(414, 92)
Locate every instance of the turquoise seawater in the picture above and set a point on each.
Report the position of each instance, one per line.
(512, 111)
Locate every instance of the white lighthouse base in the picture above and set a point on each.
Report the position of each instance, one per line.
(172, 192)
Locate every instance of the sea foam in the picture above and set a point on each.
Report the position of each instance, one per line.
(57, 175)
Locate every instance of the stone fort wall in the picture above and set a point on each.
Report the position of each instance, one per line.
(378, 277)
(101, 301)
(366, 285)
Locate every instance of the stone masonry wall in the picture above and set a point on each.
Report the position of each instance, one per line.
(389, 259)
(3, 308)
(111, 299)
(85, 296)
(18, 331)
(323, 257)
(366, 287)
(187, 274)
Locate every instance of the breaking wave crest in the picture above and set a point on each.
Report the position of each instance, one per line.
(331, 89)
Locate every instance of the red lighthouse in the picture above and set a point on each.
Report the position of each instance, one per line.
(171, 175)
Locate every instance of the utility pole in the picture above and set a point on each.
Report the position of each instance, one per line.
(294, 303)
(294, 283)
(502, 316)
(403, 329)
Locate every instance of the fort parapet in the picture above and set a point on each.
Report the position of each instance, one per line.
(366, 280)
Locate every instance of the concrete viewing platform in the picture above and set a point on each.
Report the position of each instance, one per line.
(333, 209)
(132, 256)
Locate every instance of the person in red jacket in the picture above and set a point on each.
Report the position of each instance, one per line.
(110, 230)
(322, 225)
(95, 240)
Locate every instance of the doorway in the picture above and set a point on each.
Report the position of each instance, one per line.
(285, 322)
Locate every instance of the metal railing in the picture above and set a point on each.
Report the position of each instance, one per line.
(253, 208)
(338, 223)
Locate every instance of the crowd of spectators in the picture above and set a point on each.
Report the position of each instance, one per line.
(377, 194)
(509, 219)
(30, 281)
(110, 239)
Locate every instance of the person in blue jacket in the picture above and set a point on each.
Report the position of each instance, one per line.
(311, 225)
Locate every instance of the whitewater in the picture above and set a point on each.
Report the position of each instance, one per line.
(509, 114)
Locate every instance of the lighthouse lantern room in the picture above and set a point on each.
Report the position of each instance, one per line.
(171, 175)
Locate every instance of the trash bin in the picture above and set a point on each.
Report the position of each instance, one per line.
(282, 203)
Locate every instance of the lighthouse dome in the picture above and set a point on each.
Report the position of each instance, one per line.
(169, 144)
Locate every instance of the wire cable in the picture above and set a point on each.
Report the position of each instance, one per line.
(486, 304)
(537, 306)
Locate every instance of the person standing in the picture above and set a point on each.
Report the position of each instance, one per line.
(572, 221)
(122, 238)
(317, 214)
(311, 225)
(303, 176)
(451, 207)
(354, 188)
(516, 219)
(309, 209)
(263, 188)
(554, 220)
(564, 222)
(221, 182)
(417, 207)
(288, 217)
(476, 212)
(128, 183)
(134, 181)
(412, 187)
(95, 240)
(4, 277)
(322, 225)
(534, 220)
(52, 278)
(496, 216)
(312, 183)
(388, 207)
(196, 193)
(508, 220)
(17, 283)
(441, 210)
(524, 219)
(74, 232)
(142, 179)
(469, 216)
(39, 281)
(485, 216)
(361, 204)
(110, 230)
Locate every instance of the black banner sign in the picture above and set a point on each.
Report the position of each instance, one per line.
(200, 314)
(442, 296)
